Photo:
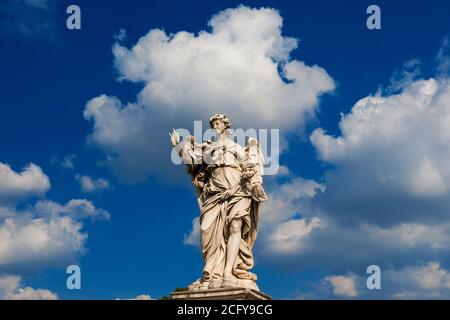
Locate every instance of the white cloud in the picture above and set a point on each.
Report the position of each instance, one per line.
(47, 234)
(428, 280)
(287, 220)
(390, 163)
(318, 241)
(429, 276)
(297, 233)
(6, 212)
(401, 140)
(284, 171)
(89, 184)
(443, 58)
(34, 242)
(288, 236)
(75, 208)
(193, 238)
(66, 162)
(14, 186)
(233, 69)
(411, 235)
(407, 75)
(140, 297)
(343, 286)
(11, 289)
(289, 198)
(423, 281)
(121, 35)
(143, 297)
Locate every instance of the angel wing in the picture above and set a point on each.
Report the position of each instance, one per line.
(254, 152)
(254, 169)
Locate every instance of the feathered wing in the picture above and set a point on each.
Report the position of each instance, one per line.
(254, 168)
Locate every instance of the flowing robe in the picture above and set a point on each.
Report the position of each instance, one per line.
(223, 196)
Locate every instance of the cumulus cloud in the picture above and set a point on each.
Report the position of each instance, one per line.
(288, 236)
(408, 74)
(296, 233)
(140, 297)
(37, 242)
(193, 238)
(143, 297)
(391, 160)
(66, 162)
(46, 234)
(343, 286)
(233, 68)
(288, 199)
(89, 184)
(11, 289)
(75, 208)
(15, 186)
(241, 67)
(412, 235)
(283, 171)
(425, 280)
(287, 219)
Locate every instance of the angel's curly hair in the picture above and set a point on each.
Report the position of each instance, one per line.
(221, 117)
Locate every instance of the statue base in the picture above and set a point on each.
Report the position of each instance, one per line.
(220, 294)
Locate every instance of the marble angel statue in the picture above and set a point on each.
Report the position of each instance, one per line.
(228, 182)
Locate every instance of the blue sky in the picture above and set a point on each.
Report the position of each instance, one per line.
(349, 190)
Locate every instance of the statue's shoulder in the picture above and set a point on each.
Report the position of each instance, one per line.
(207, 143)
(231, 143)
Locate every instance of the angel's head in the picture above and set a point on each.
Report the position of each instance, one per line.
(219, 122)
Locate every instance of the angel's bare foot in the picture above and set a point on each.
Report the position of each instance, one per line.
(215, 283)
(199, 284)
(230, 282)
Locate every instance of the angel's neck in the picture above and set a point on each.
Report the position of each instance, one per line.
(222, 137)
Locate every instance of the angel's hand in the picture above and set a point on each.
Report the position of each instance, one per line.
(247, 175)
(248, 171)
(174, 137)
(258, 192)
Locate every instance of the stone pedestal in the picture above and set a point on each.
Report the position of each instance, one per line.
(220, 294)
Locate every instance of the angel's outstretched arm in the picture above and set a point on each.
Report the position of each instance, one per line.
(188, 150)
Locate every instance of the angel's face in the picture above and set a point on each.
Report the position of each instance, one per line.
(219, 126)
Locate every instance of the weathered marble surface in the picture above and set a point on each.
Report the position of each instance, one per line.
(228, 181)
